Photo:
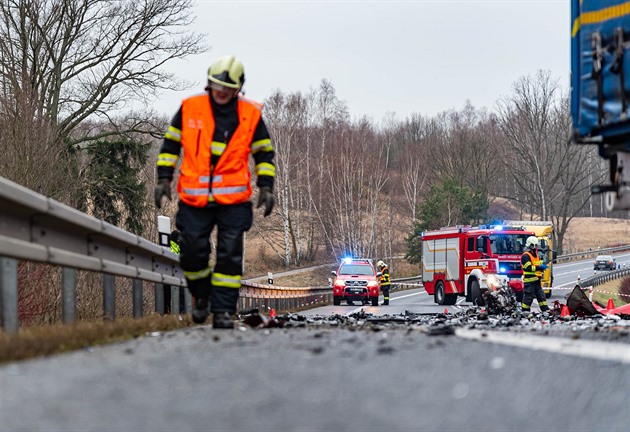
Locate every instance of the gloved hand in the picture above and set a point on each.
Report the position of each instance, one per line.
(267, 199)
(163, 188)
(542, 267)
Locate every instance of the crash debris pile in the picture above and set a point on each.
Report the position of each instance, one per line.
(579, 319)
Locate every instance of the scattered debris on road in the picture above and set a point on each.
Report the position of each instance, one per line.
(500, 313)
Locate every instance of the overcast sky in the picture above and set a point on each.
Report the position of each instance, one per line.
(384, 56)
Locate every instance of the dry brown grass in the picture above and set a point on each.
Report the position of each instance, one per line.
(45, 340)
(584, 233)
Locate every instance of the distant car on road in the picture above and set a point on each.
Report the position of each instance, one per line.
(605, 262)
(355, 280)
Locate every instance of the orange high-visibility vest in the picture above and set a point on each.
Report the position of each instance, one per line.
(535, 262)
(230, 182)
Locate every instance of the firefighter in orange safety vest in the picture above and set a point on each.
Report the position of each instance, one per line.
(533, 269)
(217, 131)
(385, 282)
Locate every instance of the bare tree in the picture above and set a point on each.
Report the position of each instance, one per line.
(462, 149)
(358, 174)
(286, 116)
(67, 61)
(552, 177)
(331, 115)
(525, 120)
(411, 160)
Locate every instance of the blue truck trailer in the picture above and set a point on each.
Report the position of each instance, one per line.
(600, 89)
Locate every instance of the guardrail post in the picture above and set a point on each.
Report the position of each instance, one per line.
(68, 295)
(159, 298)
(187, 300)
(109, 296)
(175, 299)
(8, 295)
(137, 298)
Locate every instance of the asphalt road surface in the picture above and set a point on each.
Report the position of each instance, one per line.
(324, 376)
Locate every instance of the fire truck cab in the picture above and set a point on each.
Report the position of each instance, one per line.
(466, 261)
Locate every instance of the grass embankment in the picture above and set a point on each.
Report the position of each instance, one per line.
(610, 290)
(45, 340)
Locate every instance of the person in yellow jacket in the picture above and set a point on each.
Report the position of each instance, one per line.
(217, 132)
(533, 269)
(385, 281)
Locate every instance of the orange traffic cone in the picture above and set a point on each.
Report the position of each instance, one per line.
(272, 313)
(610, 305)
(564, 312)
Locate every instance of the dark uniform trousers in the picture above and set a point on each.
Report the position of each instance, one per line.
(195, 225)
(385, 290)
(533, 290)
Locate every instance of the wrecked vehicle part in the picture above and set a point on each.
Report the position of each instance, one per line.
(255, 319)
(579, 304)
(500, 301)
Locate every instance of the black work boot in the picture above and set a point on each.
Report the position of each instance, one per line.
(200, 312)
(222, 320)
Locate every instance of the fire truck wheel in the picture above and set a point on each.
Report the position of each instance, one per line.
(438, 295)
(336, 301)
(441, 297)
(475, 294)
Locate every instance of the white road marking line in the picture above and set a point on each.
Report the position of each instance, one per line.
(390, 299)
(408, 295)
(581, 348)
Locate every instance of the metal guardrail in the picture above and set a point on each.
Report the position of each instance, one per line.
(595, 252)
(604, 277)
(36, 228)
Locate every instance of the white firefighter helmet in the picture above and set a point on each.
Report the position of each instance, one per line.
(380, 263)
(531, 242)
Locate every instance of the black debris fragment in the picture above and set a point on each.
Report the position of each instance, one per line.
(579, 304)
(440, 330)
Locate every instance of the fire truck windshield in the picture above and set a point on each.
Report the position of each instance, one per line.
(508, 243)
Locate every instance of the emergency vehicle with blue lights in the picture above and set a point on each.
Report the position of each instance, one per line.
(355, 280)
(466, 261)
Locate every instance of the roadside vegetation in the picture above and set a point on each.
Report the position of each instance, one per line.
(617, 290)
(45, 340)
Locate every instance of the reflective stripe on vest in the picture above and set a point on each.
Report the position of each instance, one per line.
(231, 177)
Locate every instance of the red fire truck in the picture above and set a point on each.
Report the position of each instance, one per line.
(465, 261)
